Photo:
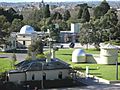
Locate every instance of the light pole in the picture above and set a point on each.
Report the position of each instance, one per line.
(42, 86)
(116, 69)
(50, 40)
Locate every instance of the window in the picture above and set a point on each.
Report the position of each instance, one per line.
(60, 75)
(14, 43)
(44, 76)
(33, 77)
(23, 42)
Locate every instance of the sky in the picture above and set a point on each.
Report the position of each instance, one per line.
(50, 0)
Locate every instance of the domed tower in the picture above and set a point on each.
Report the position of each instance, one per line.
(26, 36)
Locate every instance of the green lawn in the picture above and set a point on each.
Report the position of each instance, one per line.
(104, 71)
(5, 64)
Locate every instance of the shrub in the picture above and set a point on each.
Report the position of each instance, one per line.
(39, 56)
(28, 58)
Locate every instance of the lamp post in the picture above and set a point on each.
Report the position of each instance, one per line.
(116, 69)
(50, 39)
(42, 86)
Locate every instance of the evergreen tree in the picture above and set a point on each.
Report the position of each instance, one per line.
(101, 10)
(66, 15)
(85, 15)
(80, 13)
(54, 32)
(46, 11)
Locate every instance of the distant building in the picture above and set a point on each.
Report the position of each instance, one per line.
(71, 36)
(28, 35)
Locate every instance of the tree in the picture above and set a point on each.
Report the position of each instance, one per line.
(56, 16)
(89, 34)
(66, 15)
(108, 23)
(11, 14)
(16, 25)
(36, 47)
(63, 26)
(80, 13)
(54, 32)
(101, 10)
(4, 28)
(14, 59)
(46, 11)
(85, 15)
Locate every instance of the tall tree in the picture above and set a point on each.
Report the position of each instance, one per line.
(46, 11)
(101, 10)
(66, 15)
(36, 47)
(85, 15)
(16, 25)
(4, 28)
(54, 32)
(80, 13)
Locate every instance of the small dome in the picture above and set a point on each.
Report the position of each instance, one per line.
(78, 55)
(78, 52)
(27, 30)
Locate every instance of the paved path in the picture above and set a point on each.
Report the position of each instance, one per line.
(91, 87)
(20, 56)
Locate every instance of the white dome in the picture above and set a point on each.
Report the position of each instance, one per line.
(78, 55)
(27, 30)
(78, 52)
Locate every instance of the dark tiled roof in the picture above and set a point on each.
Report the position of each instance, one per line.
(36, 65)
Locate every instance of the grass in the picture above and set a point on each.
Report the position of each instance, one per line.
(104, 71)
(5, 64)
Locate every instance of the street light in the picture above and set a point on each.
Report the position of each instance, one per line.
(42, 86)
(49, 39)
(116, 69)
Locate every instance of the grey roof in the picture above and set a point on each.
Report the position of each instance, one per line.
(41, 64)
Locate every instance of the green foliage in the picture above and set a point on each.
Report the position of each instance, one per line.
(16, 25)
(80, 13)
(28, 58)
(10, 14)
(63, 26)
(46, 11)
(85, 15)
(40, 56)
(36, 46)
(101, 10)
(54, 32)
(14, 58)
(89, 34)
(108, 25)
(56, 16)
(4, 26)
(66, 15)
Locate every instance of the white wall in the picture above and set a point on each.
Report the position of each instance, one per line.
(50, 74)
(16, 77)
(75, 27)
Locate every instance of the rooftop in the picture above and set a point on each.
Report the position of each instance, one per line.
(41, 64)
